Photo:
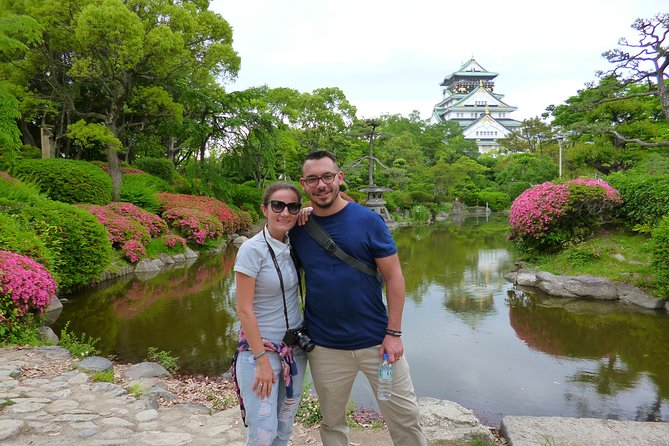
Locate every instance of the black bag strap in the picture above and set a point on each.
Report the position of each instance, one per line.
(322, 237)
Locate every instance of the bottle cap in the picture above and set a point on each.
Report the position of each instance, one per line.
(385, 356)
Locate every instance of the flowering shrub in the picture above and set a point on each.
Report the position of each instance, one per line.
(194, 224)
(25, 287)
(129, 227)
(209, 205)
(174, 240)
(547, 216)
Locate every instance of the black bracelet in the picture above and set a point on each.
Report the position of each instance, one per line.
(393, 332)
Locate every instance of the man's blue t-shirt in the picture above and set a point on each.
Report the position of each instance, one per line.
(344, 306)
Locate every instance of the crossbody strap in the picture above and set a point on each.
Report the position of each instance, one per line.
(322, 237)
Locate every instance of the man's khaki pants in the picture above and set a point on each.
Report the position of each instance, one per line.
(334, 371)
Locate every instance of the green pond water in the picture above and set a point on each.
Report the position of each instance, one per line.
(470, 336)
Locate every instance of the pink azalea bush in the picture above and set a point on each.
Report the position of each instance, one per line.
(229, 220)
(194, 224)
(172, 240)
(130, 228)
(26, 287)
(549, 215)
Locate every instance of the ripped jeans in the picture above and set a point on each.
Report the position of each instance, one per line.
(270, 420)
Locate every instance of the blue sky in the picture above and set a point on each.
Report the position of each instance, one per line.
(390, 56)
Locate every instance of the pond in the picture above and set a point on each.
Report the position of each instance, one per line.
(470, 336)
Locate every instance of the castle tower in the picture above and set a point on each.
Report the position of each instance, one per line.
(470, 100)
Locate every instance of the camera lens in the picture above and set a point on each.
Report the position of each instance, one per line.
(305, 342)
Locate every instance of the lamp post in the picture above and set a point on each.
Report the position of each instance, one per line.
(560, 139)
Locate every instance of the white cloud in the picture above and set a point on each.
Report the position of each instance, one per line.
(390, 56)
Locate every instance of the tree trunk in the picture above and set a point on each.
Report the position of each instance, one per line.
(115, 172)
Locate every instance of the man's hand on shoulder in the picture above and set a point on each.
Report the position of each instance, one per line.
(303, 216)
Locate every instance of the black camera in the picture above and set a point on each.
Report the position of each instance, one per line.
(297, 336)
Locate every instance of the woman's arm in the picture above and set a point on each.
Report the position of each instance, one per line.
(264, 379)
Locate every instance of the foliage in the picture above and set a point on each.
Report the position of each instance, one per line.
(92, 139)
(68, 181)
(168, 244)
(645, 196)
(309, 412)
(142, 191)
(497, 201)
(221, 212)
(106, 376)
(163, 358)
(129, 227)
(26, 288)
(420, 214)
(78, 242)
(159, 167)
(194, 224)
(661, 256)
(78, 346)
(523, 168)
(601, 256)
(15, 236)
(548, 216)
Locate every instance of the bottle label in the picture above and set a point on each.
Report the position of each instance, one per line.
(386, 374)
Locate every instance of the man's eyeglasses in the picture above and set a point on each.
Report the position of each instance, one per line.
(278, 206)
(327, 178)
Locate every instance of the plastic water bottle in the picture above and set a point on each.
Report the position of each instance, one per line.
(385, 379)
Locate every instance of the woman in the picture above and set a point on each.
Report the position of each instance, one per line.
(269, 373)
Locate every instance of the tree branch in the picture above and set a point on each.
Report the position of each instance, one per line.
(638, 141)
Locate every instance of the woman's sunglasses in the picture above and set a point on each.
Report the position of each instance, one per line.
(278, 206)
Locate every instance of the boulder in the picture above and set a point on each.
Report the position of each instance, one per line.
(166, 259)
(146, 370)
(577, 286)
(239, 240)
(190, 254)
(47, 335)
(159, 263)
(635, 296)
(179, 258)
(445, 421)
(146, 266)
(52, 311)
(95, 364)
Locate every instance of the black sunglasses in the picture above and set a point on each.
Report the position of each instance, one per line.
(278, 206)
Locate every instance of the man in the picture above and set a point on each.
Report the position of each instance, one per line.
(345, 316)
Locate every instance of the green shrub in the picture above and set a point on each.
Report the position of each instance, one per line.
(497, 201)
(78, 242)
(15, 236)
(166, 244)
(420, 213)
(15, 191)
(398, 199)
(419, 196)
(160, 167)
(164, 358)
(69, 181)
(661, 256)
(79, 347)
(246, 197)
(516, 188)
(645, 196)
(142, 189)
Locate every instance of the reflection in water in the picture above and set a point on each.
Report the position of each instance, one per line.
(470, 336)
(187, 310)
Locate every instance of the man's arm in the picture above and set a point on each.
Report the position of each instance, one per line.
(392, 274)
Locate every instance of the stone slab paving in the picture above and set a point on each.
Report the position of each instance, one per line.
(69, 409)
(558, 431)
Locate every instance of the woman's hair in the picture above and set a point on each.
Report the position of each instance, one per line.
(280, 186)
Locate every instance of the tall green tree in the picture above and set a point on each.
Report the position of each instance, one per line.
(117, 63)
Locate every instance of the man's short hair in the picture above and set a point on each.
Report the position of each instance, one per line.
(320, 154)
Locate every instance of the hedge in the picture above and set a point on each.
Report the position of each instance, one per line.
(160, 167)
(661, 256)
(69, 181)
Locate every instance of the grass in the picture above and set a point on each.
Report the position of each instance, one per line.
(597, 257)
(106, 376)
(136, 390)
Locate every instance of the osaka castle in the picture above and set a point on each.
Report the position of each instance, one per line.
(469, 99)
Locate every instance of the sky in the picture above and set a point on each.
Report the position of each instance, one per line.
(389, 57)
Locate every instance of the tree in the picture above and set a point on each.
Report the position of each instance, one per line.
(528, 137)
(121, 64)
